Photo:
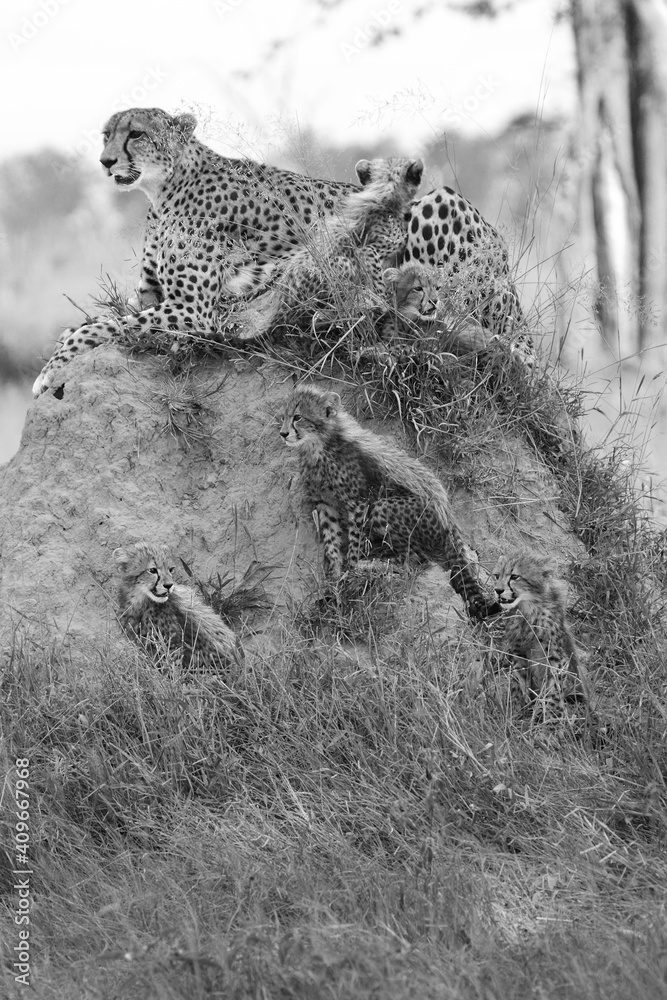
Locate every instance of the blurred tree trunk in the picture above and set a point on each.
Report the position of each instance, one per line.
(621, 149)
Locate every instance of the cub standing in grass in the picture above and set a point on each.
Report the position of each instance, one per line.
(164, 615)
(370, 498)
(536, 644)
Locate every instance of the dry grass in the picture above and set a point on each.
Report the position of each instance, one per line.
(354, 812)
(313, 827)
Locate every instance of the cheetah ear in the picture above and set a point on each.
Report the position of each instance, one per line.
(121, 556)
(185, 126)
(414, 173)
(550, 566)
(390, 276)
(332, 404)
(363, 169)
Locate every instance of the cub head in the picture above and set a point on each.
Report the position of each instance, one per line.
(523, 578)
(310, 415)
(396, 171)
(143, 145)
(413, 292)
(146, 572)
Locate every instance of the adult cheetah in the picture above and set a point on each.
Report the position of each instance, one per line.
(216, 228)
(369, 498)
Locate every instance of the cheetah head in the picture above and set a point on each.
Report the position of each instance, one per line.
(524, 578)
(146, 572)
(310, 415)
(143, 145)
(413, 292)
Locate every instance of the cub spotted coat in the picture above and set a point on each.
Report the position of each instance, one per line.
(369, 498)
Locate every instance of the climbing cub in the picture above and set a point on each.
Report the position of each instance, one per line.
(369, 498)
(536, 645)
(161, 614)
(344, 255)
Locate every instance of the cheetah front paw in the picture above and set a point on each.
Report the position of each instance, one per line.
(44, 380)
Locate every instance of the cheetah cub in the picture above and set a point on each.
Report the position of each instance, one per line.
(421, 310)
(369, 498)
(536, 644)
(160, 613)
(341, 253)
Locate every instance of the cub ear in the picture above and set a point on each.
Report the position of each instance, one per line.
(185, 126)
(390, 276)
(121, 556)
(414, 173)
(549, 566)
(332, 404)
(363, 169)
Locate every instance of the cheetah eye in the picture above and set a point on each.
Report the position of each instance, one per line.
(105, 136)
(297, 416)
(153, 569)
(135, 134)
(513, 577)
(172, 569)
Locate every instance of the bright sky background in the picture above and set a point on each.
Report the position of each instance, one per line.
(65, 65)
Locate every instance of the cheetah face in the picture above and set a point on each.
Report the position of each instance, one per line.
(157, 582)
(147, 571)
(308, 416)
(413, 291)
(523, 578)
(143, 145)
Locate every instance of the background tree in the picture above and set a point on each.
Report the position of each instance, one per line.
(620, 149)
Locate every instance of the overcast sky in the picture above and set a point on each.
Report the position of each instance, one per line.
(65, 65)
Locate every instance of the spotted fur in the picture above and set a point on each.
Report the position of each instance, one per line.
(216, 228)
(344, 255)
(535, 643)
(164, 615)
(446, 230)
(369, 498)
(427, 302)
